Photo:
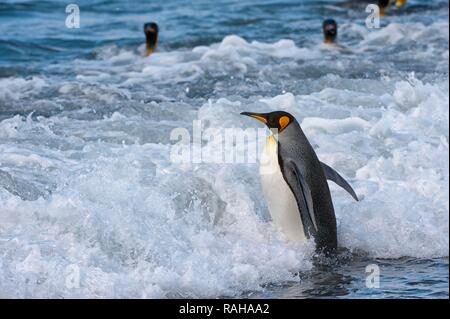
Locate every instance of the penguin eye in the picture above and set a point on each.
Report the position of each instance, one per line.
(272, 123)
(284, 122)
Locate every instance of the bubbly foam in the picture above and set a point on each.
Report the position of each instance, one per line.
(87, 186)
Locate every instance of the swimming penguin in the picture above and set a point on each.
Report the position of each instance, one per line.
(360, 4)
(383, 4)
(294, 183)
(151, 37)
(329, 30)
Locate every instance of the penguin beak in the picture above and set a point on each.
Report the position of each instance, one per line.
(260, 117)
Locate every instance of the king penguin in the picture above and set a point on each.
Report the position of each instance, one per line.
(294, 183)
(151, 37)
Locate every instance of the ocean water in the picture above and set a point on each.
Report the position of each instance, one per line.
(91, 204)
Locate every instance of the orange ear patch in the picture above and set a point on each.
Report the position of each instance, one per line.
(284, 121)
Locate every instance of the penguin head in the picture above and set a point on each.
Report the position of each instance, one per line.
(329, 30)
(151, 36)
(276, 121)
(383, 4)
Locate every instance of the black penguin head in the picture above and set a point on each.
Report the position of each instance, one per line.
(383, 4)
(275, 121)
(329, 30)
(151, 36)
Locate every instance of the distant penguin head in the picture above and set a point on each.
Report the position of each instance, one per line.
(329, 30)
(151, 37)
(383, 4)
(277, 121)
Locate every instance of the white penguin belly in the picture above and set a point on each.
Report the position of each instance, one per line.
(280, 200)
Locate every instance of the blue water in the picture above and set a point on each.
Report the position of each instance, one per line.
(86, 179)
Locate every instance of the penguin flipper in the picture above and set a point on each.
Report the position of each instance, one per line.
(334, 176)
(302, 194)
